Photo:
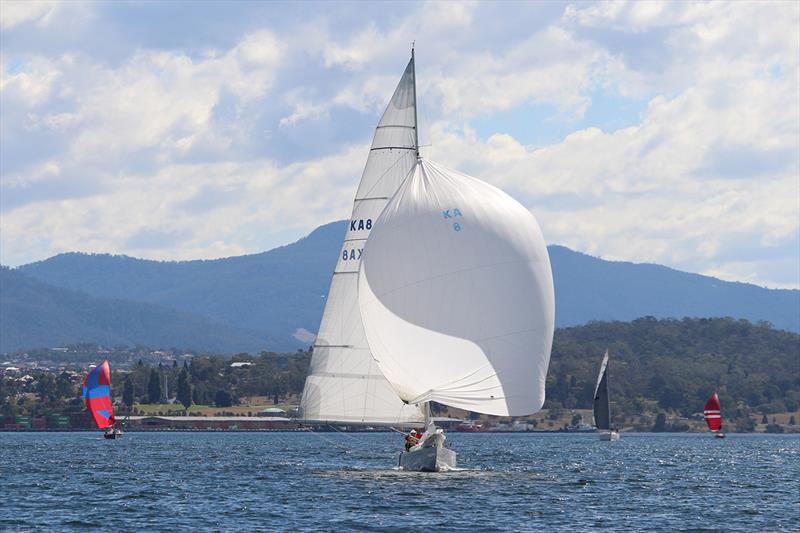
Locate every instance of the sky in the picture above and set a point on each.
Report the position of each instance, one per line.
(636, 131)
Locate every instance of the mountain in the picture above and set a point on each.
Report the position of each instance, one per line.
(276, 292)
(35, 314)
(281, 293)
(588, 288)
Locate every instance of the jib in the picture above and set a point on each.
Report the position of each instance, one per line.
(361, 224)
(350, 255)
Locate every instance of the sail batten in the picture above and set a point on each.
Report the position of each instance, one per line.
(344, 384)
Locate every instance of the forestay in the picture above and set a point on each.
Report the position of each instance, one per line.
(456, 295)
(344, 383)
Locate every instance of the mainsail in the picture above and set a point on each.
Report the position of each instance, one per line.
(97, 395)
(456, 295)
(711, 413)
(344, 383)
(601, 410)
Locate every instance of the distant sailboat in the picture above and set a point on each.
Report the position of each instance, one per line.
(97, 397)
(447, 296)
(713, 416)
(601, 407)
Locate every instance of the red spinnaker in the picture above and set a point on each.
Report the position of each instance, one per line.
(712, 414)
(97, 395)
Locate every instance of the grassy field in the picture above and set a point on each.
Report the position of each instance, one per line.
(200, 410)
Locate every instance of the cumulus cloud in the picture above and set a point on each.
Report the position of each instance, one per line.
(17, 12)
(707, 181)
(28, 83)
(226, 145)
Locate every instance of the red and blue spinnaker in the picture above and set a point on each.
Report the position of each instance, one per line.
(97, 395)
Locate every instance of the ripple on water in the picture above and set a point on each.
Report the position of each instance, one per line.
(283, 481)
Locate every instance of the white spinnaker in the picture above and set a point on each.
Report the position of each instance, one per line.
(456, 295)
(344, 383)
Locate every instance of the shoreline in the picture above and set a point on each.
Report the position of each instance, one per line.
(304, 430)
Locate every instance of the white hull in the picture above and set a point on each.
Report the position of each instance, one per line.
(609, 435)
(114, 433)
(430, 459)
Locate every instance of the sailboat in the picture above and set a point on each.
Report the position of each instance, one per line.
(97, 397)
(601, 407)
(443, 293)
(713, 416)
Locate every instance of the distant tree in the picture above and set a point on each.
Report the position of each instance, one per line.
(154, 387)
(127, 393)
(555, 411)
(223, 398)
(764, 420)
(184, 389)
(576, 419)
(744, 424)
(140, 363)
(661, 422)
(64, 388)
(46, 387)
(792, 421)
(174, 363)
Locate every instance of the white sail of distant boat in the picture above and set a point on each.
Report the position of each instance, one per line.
(601, 406)
(445, 297)
(344, 384)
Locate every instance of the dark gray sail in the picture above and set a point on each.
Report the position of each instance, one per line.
(601, 408)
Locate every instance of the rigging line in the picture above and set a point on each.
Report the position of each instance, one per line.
(377, 181)
(342, 446)
(342, 432)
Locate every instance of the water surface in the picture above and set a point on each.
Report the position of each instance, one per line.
(337, 481)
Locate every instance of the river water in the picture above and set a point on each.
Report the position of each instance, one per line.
(346, 482)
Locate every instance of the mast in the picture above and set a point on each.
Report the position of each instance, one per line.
(608, 399)
(416, 122)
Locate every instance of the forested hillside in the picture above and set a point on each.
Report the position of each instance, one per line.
(657, 367)
(677, 364)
